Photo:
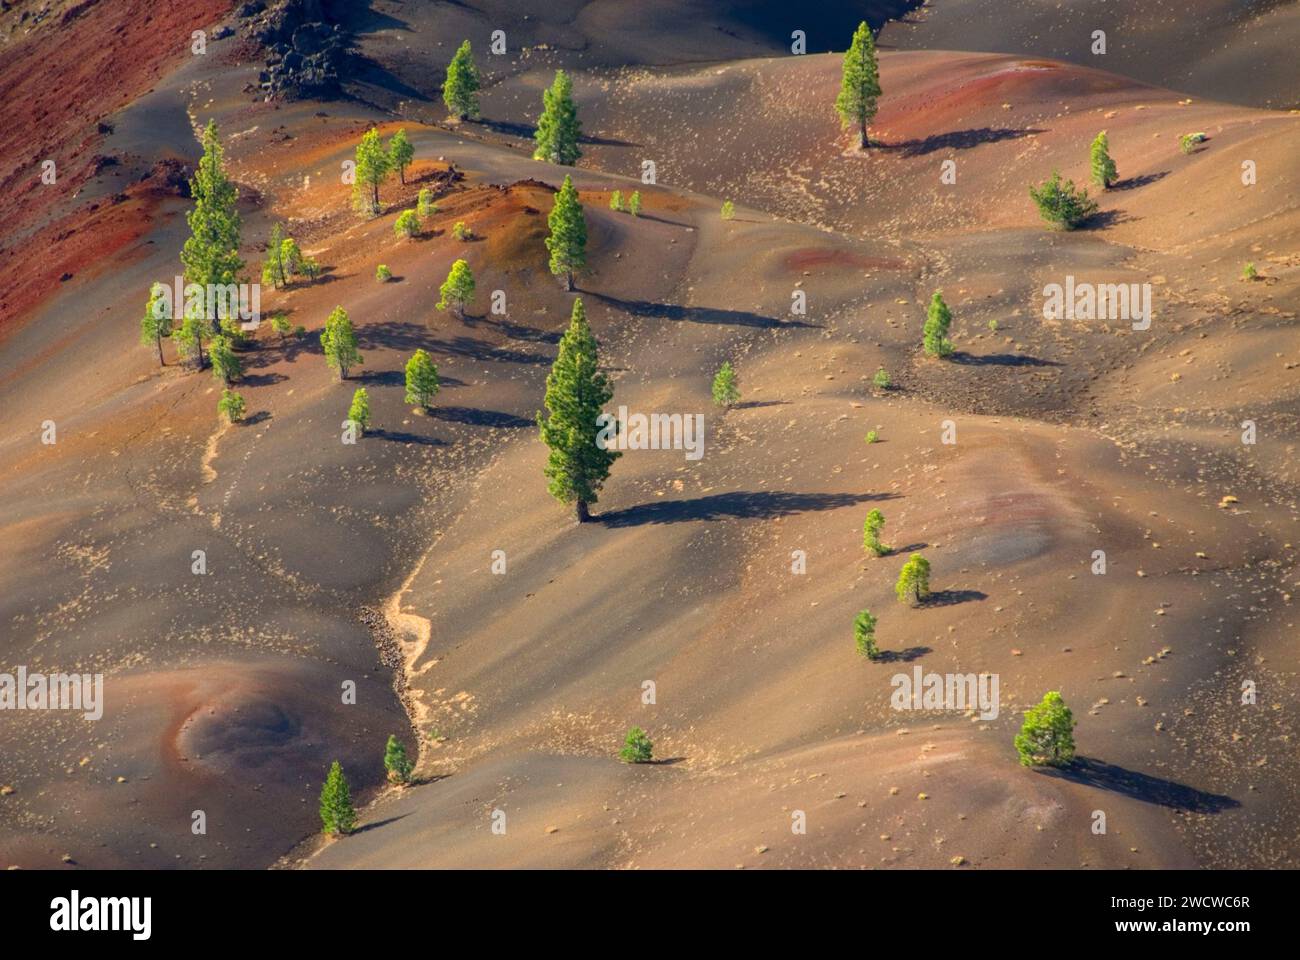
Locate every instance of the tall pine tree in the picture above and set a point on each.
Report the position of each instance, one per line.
(157, 320)
(576, 394)
(1104, 172)
(568, 239)
(460, 91)
(422, 382)
(337, 815)
(400, 153)
(859, 84)
(339, 341)
(211, 254)
(373, 166)
(558, 128)
(938, 319)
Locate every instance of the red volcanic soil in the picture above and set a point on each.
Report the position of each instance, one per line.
(82, 62)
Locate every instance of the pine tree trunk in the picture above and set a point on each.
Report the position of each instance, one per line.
(568, 281)
(161, 361)
(864, 134)
(583, 513)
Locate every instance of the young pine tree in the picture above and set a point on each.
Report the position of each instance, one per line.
(372, 169)
(458, 289)
(211, 254)
(576, 394)
(634, 204)
(189, 337)
(725, 390)
(567, 242)
(1047, 736)
(232, 405)
(938, 319)
(422, 382)
(913, 580)
(273, 271)
(290, 258)
(1062, 204)
(407, 224)
(871, 528)
(616, 201)
(637, 747)
(226, 365)
(400, 154)
(460, 91)
(1104, 172)
(558, 128)
(728, 210)
(337, 815)
(864, 634)
(859, 84)
(359, 411)
(339, 341)
(280, 325)
(424, 205)
(157, 320)
(396, 762)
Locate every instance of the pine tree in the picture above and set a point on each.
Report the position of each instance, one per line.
(460, 91)
(576, 394)
(226, 365)
(273, 271)
(280, 325)
(637, 747)
(337, 815)
(157, 320)
(189, 337)
(871, 528)
(458, 289)
(859, 84)
(1062, 204)
(616, 201)
(725, 390)
(359, 411)
(424, 204)
(938, 319)
(372, 169)
(339, 341)
(400, 153)
(211, 253)
(558, 128)
(396, 762)
(634, 204)
(290, 258)
(407, 224)
(232, 405)
(1104, 172)
(421, 379)
(568, 238)
(728, 210)
(1047, 736)
(864, 634)
(913, 580)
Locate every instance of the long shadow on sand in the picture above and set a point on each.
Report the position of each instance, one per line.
(950, 598)
(515, 331)
(380, 378)
(745, 505)
(1141, 786)
(956, 140)
(1132, 183)
(1000, 360)
(527, 131)
(901, 656)
(480, 418)
(672, 311)
(402, 436)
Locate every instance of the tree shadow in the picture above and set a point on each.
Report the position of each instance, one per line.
(950, 598)
(379, 823)
(1108, 218)
(745, 505)
(528, 131)
(261, 379)
(1142, 786)
(1132, 183)
(462, 346)
(955, 140)
(665, 762)
(260, 417)
(756, 404)
(480, 418)
(711, 315)
(1000, 360)
(402, 436)
(515, 331)
(901, 656)
(381, 378)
